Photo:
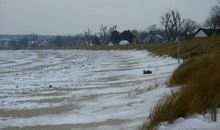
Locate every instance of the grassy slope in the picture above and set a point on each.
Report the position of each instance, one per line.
(199, 77)
(188, 48)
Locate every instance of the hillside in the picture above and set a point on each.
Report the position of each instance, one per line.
(198, 77)
(188, 48)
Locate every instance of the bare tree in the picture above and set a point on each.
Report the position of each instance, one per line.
(113, 28)
(208, 23)
(88, 35)
(105, 33)
(172, 23)
(152, 28)
(189, 28)
(213, 21)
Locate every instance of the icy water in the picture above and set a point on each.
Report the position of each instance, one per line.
(95, 90)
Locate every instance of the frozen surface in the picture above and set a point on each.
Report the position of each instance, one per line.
(96, 90)
(198, 122)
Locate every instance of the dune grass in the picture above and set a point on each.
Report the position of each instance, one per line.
(188, 48)
(199, 78)
(200, 91)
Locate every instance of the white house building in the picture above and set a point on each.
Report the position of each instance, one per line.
(206, 32)
(124, 42)
(200, 33)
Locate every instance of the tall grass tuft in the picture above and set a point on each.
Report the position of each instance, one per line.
(166, 109)
(200, 91)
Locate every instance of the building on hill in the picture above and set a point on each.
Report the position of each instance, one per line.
(134, 40)
(124, 42)
(110, 44)
(201, 32)
(128, 36)
(154, 38)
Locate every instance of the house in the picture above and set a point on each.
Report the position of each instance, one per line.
(134, 40)
(110, 44)
(124, 42)
(129, 37)
(154, 38)
(201, 32)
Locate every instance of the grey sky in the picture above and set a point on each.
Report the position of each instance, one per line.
(75, 16)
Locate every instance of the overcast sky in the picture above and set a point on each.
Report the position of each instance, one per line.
(75, 16)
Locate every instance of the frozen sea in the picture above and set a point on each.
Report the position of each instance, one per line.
(95, 90)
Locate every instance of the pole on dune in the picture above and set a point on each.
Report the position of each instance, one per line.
(178, 50)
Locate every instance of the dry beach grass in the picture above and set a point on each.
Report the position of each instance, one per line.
(198, 77)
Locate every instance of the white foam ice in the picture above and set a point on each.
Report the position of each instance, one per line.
(105, 85)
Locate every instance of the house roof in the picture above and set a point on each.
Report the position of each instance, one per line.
(209, 32)
(156, 35)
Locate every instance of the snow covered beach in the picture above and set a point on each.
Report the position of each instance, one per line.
(94, 90)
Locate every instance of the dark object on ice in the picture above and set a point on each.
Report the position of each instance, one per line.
(50, 86)
(147, 72)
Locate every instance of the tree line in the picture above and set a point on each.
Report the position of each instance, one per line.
(173, 26)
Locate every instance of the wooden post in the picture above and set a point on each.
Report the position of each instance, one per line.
(178, 51)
